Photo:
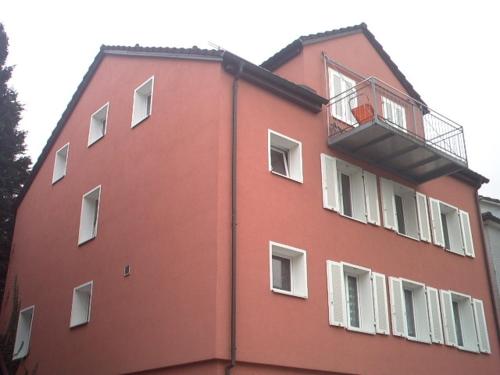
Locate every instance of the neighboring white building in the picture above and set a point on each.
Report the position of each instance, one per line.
(490, 209)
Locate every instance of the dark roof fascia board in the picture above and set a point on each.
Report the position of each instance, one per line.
(488, 216)
(292, 50)
(171, 55)
(274, 83)
(486, 199)
(470, 177)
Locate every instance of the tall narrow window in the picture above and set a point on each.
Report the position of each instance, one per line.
(346, 194)
(60, 163)
(98, 124)
(353, 301)
(410, 313)
(458, 325)
(281, 273)
(400, 214)
(23, 333)
(89, 215)
(445, 231)
(143, 102)
(80, 308)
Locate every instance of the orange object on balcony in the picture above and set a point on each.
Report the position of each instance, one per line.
(363, 113)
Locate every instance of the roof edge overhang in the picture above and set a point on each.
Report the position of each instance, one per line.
(470, 177)
(296, 47)
(489, 217)
(273, 83)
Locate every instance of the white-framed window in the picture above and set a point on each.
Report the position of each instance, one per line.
(143, 102)
(288, 270)
(285, 156)
(349, 190)
(89, 215)
(357, 298)
(23, 333)
(341, 84)
(405, 210)
(451, 228)
(98, 124)
(60, 163)
(464, 322)
(409, 308)
(394, 113)
(82, 302)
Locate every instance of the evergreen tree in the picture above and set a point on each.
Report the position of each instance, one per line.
(14, 165)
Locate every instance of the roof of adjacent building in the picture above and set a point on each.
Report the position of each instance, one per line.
(489, 199)
(488, 216)
(295, 48)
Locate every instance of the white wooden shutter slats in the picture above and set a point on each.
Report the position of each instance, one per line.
(371, 197)
(423, 217)
(466, 234)
(336, 294)
(481, 329)
(434, 315)
(397, 306)
(380, 303)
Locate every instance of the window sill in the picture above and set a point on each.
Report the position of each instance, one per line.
(408, 236)
(279, 291)
(359, 330)
(59, 179)
(287, 177)
(86, 241)
(463, 348)
(140, 121)
(79, 325)
(462, 254)
(95, 141)
(353, 218)
(414, 339)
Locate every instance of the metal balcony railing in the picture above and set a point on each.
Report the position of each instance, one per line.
(373, 100)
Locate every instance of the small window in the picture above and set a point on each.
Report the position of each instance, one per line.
(143, 102)
(349, 190)
(285, 156)
(23, 333)
(80, 308)
(98, 124)
(394, 113)
(89, 215)
(60, 163)
(357, 298)
(288, 270)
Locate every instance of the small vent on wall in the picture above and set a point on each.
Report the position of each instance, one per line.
(126, 270)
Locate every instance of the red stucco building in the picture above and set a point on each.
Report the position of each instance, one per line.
(194, 213)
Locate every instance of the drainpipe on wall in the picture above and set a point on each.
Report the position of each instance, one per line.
(234, 144)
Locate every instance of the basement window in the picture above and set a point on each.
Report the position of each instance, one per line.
(23, 333)
(143, 102)
(285, 156)
(80, 308)
(288, 270)
(98, 124)
(89, 215)
(60, 163)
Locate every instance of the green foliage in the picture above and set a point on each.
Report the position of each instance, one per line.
(14, 165)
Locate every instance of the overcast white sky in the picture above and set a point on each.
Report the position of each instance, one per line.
(449, 52)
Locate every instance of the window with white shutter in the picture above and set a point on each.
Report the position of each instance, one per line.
(388, 203)
(481, 328)
(341, 84)
(423, 218)
(437, 227)
(355, 298)
(466, 234)
(394, 113)
(409, 309)
(434, 315)
(459, 321)
(349, 190)
(23, 333)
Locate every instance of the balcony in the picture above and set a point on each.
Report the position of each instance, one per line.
(377, 123)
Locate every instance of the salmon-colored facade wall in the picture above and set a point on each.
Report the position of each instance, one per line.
(159, 213)
(166, 211)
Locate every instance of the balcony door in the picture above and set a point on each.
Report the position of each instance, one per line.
(341, 106)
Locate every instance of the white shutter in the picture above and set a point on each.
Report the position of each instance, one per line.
(397, 307)
(380, 303)
(336, 294)
(421, 315)
(371, 198)
(481, 328)
(450, 335)
(437, 226)
(423, 218)
(358, 195)
(330, 182)
(388, 206)
(466, 234)
(365, 299)
(434, 315)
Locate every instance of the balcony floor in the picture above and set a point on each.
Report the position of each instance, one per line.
(393, 149)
